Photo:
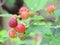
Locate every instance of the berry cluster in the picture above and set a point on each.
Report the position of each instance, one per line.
(20, 28)
(13, 23)
(24, 14)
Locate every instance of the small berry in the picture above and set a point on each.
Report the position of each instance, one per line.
(14, 16)
(12, 22)
(38, 37)
(20, 28)
(23, 9)
(24, 15)
(51, 8)
(12, 34)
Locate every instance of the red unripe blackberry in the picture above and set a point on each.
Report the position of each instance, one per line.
(50, 8)
(14, 16)
(12, 34)
(24, 15)
(20, 28)
(13, 22)
(23, 9)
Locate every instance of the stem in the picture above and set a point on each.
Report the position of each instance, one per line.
(21, 34)
(7, 15)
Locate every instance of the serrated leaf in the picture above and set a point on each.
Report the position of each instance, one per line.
(40, 29)
(56, 40)
(36, 5)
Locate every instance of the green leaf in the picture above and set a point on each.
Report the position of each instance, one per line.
(15, 39)
(4, 38)
(32, 34)
(56, 40)
(37, 18)
(48, 36)
(52, 0)
(3, 32)
(36, 5)
(57, 13)
(43, 23)
(40, 29)
(25, 42)
(20, 41)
